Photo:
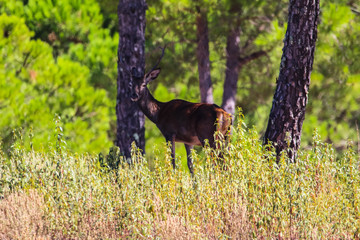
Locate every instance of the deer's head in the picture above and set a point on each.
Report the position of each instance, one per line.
(138, 82)
(138, 85)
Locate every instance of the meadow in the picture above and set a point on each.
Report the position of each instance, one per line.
(56, 194)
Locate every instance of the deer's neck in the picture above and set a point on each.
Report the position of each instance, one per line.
(150, 106)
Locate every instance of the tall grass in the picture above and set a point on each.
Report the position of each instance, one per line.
(62, 195)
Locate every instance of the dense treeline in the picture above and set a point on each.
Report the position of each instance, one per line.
(59, 57)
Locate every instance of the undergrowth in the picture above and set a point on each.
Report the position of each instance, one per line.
(245, 195)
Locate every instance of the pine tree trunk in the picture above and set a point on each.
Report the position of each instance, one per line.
(202, 53)
(232, 70)
(131, 52)
(291, 95)
(232, 58)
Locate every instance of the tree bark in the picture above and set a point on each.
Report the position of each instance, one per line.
(234, 62)
(131, 53)
(291, 96)
(232, 59)
(202, 53)
(232, 70)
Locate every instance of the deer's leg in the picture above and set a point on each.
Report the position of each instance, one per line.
(173, 151)
(171, 140)
(189, 160)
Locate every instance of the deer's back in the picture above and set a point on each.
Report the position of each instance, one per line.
(186, 120)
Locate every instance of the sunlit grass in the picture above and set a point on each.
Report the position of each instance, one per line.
(62, 195)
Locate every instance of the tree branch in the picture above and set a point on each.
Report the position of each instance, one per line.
(356, 11)
(24, 64)
(252, 56)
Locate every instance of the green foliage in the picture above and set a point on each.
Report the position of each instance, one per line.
(316, 197)
(34, 87)
(57, 58)
(74, 30)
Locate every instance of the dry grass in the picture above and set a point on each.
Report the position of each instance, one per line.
(22, 216)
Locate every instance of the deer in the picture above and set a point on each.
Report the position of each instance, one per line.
(179, 120)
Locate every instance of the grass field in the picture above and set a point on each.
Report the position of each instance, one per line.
(57, 194)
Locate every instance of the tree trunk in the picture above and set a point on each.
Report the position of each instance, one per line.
(232, 70)
(202, 53)
(131, 53)
(291, 96)
(232, 59)
(234, 62)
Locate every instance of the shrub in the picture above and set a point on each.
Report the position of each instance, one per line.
(79, 196)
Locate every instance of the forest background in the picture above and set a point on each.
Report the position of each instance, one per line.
(59, 59)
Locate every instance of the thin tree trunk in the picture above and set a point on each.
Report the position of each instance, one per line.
(232, 59)
(232, 70)
(131, 52)
(291, 95)
(234, 63)
(202, 53)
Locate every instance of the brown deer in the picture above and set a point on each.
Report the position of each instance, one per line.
(179, 120)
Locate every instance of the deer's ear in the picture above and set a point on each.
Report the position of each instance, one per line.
(152, 75)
